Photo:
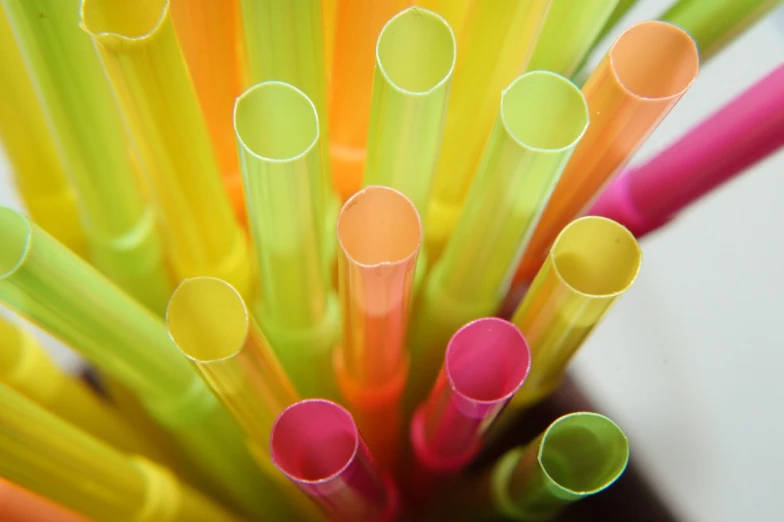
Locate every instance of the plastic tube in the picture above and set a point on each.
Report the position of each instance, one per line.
(209, 32)
(453, 11)
(541, 119)
(145, 66)
(357, 28)
(486, 362)
(494, 46)
(37, 168)
(278, 138)
(379, 234)
(592, 262)
(329, 13)
(19, 505)
(734, 138)
(79, 104)
(645, 73)
(316, 445)
(569, 31)
(49, 285)
(45, 454)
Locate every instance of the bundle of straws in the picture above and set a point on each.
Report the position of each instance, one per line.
(280, 232)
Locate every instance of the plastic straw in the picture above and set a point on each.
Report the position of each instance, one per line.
(45, 454)
(569, 31)
(734, 138)
(645, 73)
(209, 32)
(379, 234)
(453, 11)
(541, 119)
(357, 28)
(19, 505)
(592, 262)
(278, 136)
(71, 85)
(316, 445)
(49, 285)
(37, 168)
(494, 46)
(618, 13)
(329, 14)
(145, 66)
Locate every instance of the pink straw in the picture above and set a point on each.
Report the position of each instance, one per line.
(315, 444)
(734, 138)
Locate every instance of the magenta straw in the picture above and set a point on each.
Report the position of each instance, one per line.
(485, 364)
(315, 444)
(741, 133)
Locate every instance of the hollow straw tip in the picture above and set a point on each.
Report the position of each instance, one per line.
(113, 39)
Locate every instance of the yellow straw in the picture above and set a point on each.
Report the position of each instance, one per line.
(453, 11)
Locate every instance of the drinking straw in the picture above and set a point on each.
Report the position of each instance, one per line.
(79, 105)
(20, 505)
(36, 166)
(41, 452)
(357, 28)
(379, 234)
(494, 47)
(486, 362)
(568, 33)
(278, 139)
(622, 7)
(734, 138)
(542, 117)
(453, 11)
(209, 32)
(316, 445)
(642, 77)
(138, 47)
(329, 12)
(415, 57)
(592, 262)
(46, 283)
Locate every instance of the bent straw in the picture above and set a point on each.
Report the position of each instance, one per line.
(41, 452)
(49, 285)
(37, 168)
(357, 27)
(379, 234)
(642, 77)
(20, 505)
(734, 138)
(415, 57)
(145, 66)
(71, 85)
(278, 139)
(592, 262)
(209, 34)
(494, 46)
(569, 31)
(486, 362)
(542, 117)
(316, 445)
(453, 11)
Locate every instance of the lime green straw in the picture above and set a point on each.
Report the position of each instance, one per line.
(278, 138)
(453, 11)
(71, 85)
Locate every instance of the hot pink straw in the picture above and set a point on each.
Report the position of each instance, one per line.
(316, 444)
(741, 133)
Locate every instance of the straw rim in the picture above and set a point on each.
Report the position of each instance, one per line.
(445, 79)
(25, 222)
(85, 26)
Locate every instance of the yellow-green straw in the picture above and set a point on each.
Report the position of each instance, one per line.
(453, 11)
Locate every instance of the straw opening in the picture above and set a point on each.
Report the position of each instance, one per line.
(131, 20)
(16, 232)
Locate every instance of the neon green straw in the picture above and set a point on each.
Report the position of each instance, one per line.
(79, 104)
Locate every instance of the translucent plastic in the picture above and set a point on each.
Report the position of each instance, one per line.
(379, 234)
(744, 131)
(71, 84)
(542, 118)
(329, 14)
(645, 73)
(145, 66)
(357, 27)
(36, 165)
(45, 454)
(494, 46)
(453, 11)
(616, 16)
(209, 32)
(278, 139)
(592, 262)
(19, 505)
(316, 445)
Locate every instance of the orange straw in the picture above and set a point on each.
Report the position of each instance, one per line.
(20, 505)
(642, 77)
